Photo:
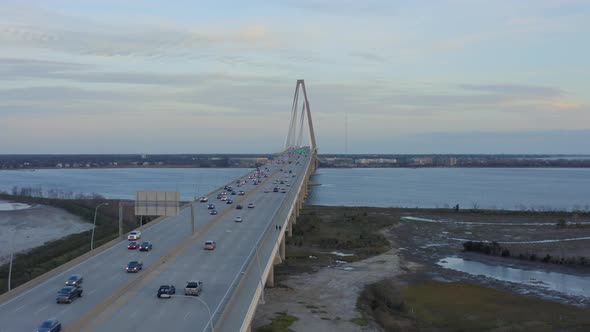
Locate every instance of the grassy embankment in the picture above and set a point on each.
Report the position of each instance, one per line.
(323, 229)
(29, 265)
(441, 306)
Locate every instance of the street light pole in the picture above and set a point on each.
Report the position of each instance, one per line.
(11, 255)
(206, 306)
(94, 223)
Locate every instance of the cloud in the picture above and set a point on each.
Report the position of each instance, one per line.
(375, 57)
(62, 33)
(513, 89)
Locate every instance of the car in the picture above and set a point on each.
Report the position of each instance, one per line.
(50, 325)
(134, 266)
(219, 196)
(210, 245)
(203, 199)
(239, 207)
(251, 206)
(224, 198)
(74, 280)
(233, 193)
(267, 190)
(193, 288)
(241, 193)
(145, 246)
(134, 235)
(133, 245)
(166, 291)
(230, 188)
(213, 212)
(283, 190)
(238, 219)
(211, 206)
(229, 201)
(68, 294)
(276, 189)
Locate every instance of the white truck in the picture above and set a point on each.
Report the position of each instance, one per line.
(193, 288)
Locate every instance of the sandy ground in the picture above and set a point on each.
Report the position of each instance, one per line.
(326, 300)
(35, 226)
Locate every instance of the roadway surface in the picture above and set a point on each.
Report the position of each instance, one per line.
(114, 300)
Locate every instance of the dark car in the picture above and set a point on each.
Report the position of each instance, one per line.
(74, 280)
(229, 201)
(50, 325)
(233, 192)
(134, 266)
(241, 193)
(276, 189)
(211, 206)
(145, 246)
(239, 207)
(68, 294)
(166, 291)
(213, 212)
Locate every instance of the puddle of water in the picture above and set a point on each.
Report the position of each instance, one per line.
(560, 282)
(526, 242)
(9, 206)
(340, 254)
(479, 223)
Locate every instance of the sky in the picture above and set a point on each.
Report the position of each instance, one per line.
(187, 76)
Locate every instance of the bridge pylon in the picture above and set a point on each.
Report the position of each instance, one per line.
(295, 133)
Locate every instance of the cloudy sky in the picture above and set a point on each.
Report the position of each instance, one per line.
(187, 76)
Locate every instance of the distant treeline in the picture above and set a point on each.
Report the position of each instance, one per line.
(495, 249)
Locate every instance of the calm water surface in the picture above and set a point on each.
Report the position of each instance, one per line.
(560, 282)
(123, 182)
(505, 188)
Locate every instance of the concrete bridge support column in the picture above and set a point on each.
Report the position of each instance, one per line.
(289, 228)
(270, 281)
(282, 249)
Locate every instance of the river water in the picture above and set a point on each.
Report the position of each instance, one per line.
(560, 282)
(496, 188)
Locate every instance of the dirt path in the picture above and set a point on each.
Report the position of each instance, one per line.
(35, 226)
(326, 300)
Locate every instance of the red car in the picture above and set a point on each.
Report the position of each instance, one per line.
(133, 245)
(210, 245)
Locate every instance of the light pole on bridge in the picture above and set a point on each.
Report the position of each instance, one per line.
(94, 227)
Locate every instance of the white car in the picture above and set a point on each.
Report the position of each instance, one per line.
(134, 235)
(238, 219)
(203, 199)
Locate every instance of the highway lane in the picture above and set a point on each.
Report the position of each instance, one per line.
(236, 310)
(140, 309)
(103, 273)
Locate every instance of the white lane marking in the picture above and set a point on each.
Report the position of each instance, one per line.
(41, 309)
(19, 308)
(186, 315)
(64, 311)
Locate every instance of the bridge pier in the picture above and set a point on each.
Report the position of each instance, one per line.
(282, 249)
(270, 281)
(289, 228)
